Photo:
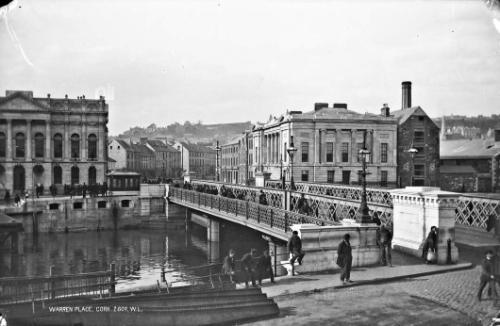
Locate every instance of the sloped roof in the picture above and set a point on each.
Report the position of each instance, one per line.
(111, 160)
(160, 146)
(143, 149)
(468, 148)
(123, 143)
(457, 169)
(197, 148)
(405, 114)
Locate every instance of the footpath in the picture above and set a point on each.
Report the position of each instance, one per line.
(404, 267)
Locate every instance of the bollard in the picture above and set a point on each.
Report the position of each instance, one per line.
(112, 280)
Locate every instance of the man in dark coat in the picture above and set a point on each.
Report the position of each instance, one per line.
(249, 266)
(228, 267)
(487, 275)
(265, 267)
(303, 206)
(344, 259)
(384, 239)
(262, 198)
(430, 243)
(295, 250)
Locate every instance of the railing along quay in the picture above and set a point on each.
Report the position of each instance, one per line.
(40, 288)
(475, 211)
(269, 216)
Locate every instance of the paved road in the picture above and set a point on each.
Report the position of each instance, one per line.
(383, 304)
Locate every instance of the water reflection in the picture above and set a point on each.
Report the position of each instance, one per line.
(139, 255)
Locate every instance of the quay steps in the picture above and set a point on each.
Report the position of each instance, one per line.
(190, 308)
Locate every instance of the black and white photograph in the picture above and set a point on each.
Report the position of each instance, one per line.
(249, 162)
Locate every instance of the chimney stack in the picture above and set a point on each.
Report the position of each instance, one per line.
(385, 111)
(319, 106)
(406, 96)
(340, 106)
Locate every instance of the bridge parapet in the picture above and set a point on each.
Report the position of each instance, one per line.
(475, 211)
(379, 196)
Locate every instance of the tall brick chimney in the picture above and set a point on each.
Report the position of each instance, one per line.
(406, 95)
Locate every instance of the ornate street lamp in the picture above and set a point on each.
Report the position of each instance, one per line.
(217, 166)
(291, 152)
(413, 151)
(363, 215)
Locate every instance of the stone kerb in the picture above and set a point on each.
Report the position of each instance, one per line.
(321, 242)
(416, 210)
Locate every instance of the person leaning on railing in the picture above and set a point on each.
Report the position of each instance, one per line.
(228, 267)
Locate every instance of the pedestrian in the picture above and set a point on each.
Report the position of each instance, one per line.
(84, 190)
(262, 198)
(384, 239)
(265, 267)
(487, 275)
(249, 266)
(7, 196)
(295, 250)
(3, 322)
(17, 200)
(228, 267)
(344, 259)
(303, 206)
(430, 245)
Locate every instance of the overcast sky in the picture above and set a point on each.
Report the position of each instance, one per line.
(223, 61)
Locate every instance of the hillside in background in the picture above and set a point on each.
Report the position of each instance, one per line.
(192, 132)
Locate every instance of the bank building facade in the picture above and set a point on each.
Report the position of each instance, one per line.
(47, 141)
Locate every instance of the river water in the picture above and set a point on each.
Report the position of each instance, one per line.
(139, 255)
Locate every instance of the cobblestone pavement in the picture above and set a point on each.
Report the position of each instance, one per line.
(456, 290)
(382, 304)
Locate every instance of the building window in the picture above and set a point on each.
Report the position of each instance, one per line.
(92, 146)
(383, 153)
(78, 205)
(3, 144)
(20, 144)
(305, 175)
(330, 176)
(345, 152)
(419, 170)
(54, 206)
(360, 177)
(57, 171)
(58, 146)
(75, 146)
(101, 204)
(125, 203)
(329, 152)
(39, 144)
(359, 147)
(418, 137)
(305, 151)
(75, 175)
(383, 178)
(346, 177)
(92, 175)
(285, 153)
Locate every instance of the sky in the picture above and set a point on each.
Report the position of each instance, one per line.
(162, 61)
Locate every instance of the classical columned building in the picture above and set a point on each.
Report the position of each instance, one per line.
(51, 141)
(328, 140)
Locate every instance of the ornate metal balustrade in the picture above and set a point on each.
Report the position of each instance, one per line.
(268, 216)
(377, 196)
(274, 197)
(475, 211)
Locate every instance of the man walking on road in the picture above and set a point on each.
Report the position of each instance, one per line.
(249, 266)
(295, 249)
(344, 259)
(487, 275)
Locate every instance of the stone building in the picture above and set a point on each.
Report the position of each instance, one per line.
(167, 159)
(232, 158)
(328, 140)
(48, 141)
(125, 155)
(471, 165)
(198, 160)
(416, 130)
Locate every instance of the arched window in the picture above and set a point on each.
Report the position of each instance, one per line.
(75, 146)
(57, 175)
(39, 144)
(75, 175)
(3, 145)
(58, 146)
(20, 144)
(92, 147)
(92, 175)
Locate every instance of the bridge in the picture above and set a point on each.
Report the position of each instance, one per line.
(329, 205)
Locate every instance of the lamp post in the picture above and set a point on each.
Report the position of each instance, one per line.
(413, 151)
(291, 152)
(363, 215)
(217, 167)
